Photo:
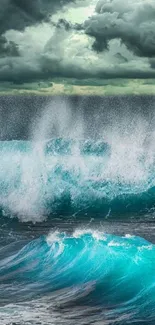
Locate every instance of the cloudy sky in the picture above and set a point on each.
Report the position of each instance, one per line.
(81, 39)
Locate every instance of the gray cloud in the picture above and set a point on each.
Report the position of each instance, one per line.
(64, 24)
(132, 22)
(18, 14)
(49, 66)
(9, 49)
(67, 49)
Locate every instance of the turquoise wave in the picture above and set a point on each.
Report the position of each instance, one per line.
(87, 268)
(62, 177)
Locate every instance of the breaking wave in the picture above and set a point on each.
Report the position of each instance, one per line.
(87, 268)
(62, 177)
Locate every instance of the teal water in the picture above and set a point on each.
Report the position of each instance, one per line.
(87, 268)
(86, 178)
(82, 276)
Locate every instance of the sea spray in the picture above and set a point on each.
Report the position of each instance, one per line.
(69, 169)
(73, 177)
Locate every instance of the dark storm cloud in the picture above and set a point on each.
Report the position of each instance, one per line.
(64, 24)
(132, 22)
(64, 54)
(152, 63)
(18, 72)
(9, 49)
(17, 14)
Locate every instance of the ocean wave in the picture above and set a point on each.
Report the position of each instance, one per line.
(64, 177)
(87, 268)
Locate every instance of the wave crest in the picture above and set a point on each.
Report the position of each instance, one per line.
(87, 268)
(67, 177)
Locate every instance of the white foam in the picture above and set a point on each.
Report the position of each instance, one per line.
(53, 237)
(94, 233)
(129, 166)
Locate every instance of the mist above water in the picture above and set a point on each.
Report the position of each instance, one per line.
(129, 132)
(65, 165)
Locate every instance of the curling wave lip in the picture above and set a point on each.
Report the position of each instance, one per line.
(87, 268)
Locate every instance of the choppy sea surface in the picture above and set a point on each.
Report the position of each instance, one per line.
(77, 208)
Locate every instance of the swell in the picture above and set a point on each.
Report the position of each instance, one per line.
(87, 268)
(63, 177)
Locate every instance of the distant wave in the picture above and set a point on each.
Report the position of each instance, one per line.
(75, 177)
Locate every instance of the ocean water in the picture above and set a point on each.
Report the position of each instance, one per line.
(77, 199)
